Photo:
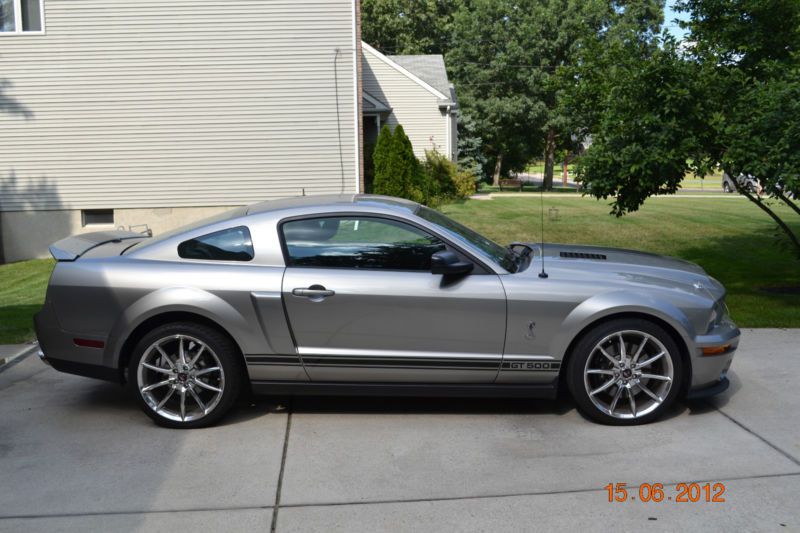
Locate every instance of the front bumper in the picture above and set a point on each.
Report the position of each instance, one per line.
(709, 372)
(712, 390)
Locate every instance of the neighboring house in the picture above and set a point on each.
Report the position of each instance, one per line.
(411, 90)
(117, 113)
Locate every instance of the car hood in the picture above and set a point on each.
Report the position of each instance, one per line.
(628, 267)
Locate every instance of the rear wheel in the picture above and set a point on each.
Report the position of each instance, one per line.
(625, 372)
(185, 375)
(726, 187)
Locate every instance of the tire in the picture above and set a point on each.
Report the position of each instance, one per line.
(589, 369)
(726, 187)
(192, 395)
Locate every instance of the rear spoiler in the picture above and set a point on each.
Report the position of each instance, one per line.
(71, 248)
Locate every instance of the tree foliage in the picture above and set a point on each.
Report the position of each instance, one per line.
(408, 26)
(727, 97)
(514, 62)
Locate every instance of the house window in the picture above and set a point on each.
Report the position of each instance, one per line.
(21, 16)
(97, 217)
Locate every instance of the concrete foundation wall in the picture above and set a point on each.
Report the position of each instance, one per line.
(27, 234)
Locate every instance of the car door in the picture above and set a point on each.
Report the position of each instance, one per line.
(363, 305)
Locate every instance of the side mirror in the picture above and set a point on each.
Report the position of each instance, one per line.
(448, 263)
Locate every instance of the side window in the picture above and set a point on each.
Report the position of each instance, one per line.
(358, 242)
(232, 244)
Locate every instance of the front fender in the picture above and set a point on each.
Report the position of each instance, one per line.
(609, 304)
(175, 299)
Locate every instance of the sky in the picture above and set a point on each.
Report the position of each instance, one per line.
(669, 16)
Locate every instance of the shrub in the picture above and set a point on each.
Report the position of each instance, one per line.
(397, 170)
(464, 183)
(441, 173)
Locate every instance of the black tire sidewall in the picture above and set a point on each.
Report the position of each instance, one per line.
(582, 351)
(223, 347)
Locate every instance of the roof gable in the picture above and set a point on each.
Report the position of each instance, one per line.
(410, 75)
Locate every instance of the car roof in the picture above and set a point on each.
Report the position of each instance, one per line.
(330, 200)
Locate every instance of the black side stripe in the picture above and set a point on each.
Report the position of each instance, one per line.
(272, 360)
(442, 363)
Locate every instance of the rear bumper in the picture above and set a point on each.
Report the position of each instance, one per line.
(57, 349)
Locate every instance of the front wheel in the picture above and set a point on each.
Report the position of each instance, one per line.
(625, 372)
(185, 375)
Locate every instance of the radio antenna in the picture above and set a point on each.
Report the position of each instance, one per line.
(542, 274)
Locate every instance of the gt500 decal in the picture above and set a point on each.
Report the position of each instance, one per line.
(531, 365)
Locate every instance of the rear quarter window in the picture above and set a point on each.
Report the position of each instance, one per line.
(233, 244)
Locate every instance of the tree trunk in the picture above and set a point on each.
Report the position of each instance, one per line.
(764, 207)
(498, 166)
(790, 203)
(549, 159)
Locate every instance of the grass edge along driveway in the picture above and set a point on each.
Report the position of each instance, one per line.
(731, 239)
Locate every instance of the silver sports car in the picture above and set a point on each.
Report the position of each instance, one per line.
(376, 295)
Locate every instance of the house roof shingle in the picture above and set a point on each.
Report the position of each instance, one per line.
(429, 68)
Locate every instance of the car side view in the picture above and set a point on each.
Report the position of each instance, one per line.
(361, 294)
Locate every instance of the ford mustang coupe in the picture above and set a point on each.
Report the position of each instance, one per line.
(376, 295)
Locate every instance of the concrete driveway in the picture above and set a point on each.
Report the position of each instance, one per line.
(77, 455)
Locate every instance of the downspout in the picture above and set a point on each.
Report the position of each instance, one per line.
(447, 133)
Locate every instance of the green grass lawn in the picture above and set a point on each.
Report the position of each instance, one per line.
(729, 237)
(22, 288)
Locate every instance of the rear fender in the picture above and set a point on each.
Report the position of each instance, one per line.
(176, 299)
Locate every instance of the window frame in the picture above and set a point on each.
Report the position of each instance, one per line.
(216, 261)
(18, 21)
(481, 268)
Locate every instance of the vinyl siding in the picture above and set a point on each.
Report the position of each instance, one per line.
(413, 106)
(178, 103)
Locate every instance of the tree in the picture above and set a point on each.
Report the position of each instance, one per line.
(487, 45)
(513, 63)
(470, 156)
(408, 26)
(728, 97)
(398, 172)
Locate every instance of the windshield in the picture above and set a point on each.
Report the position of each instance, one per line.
(499, 254)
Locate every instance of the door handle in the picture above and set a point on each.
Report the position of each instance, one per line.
(315, 292)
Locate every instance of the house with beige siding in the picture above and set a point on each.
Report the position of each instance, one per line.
(154, 114)
(412, 90)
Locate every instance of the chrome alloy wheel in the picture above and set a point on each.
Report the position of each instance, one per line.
(628, 374)
(180, 378)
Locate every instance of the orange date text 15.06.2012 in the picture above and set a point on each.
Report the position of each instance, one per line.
(655, 492)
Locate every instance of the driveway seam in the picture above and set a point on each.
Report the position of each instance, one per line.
(384, 502)
(540, 493)
(11, 361)
(277, 505)
(756, 435)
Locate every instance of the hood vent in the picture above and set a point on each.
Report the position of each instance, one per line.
(582, 255)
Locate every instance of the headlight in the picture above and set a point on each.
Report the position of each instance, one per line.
(718, 314)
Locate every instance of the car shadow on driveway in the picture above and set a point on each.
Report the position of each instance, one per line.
(110, 397)
(430, 405)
